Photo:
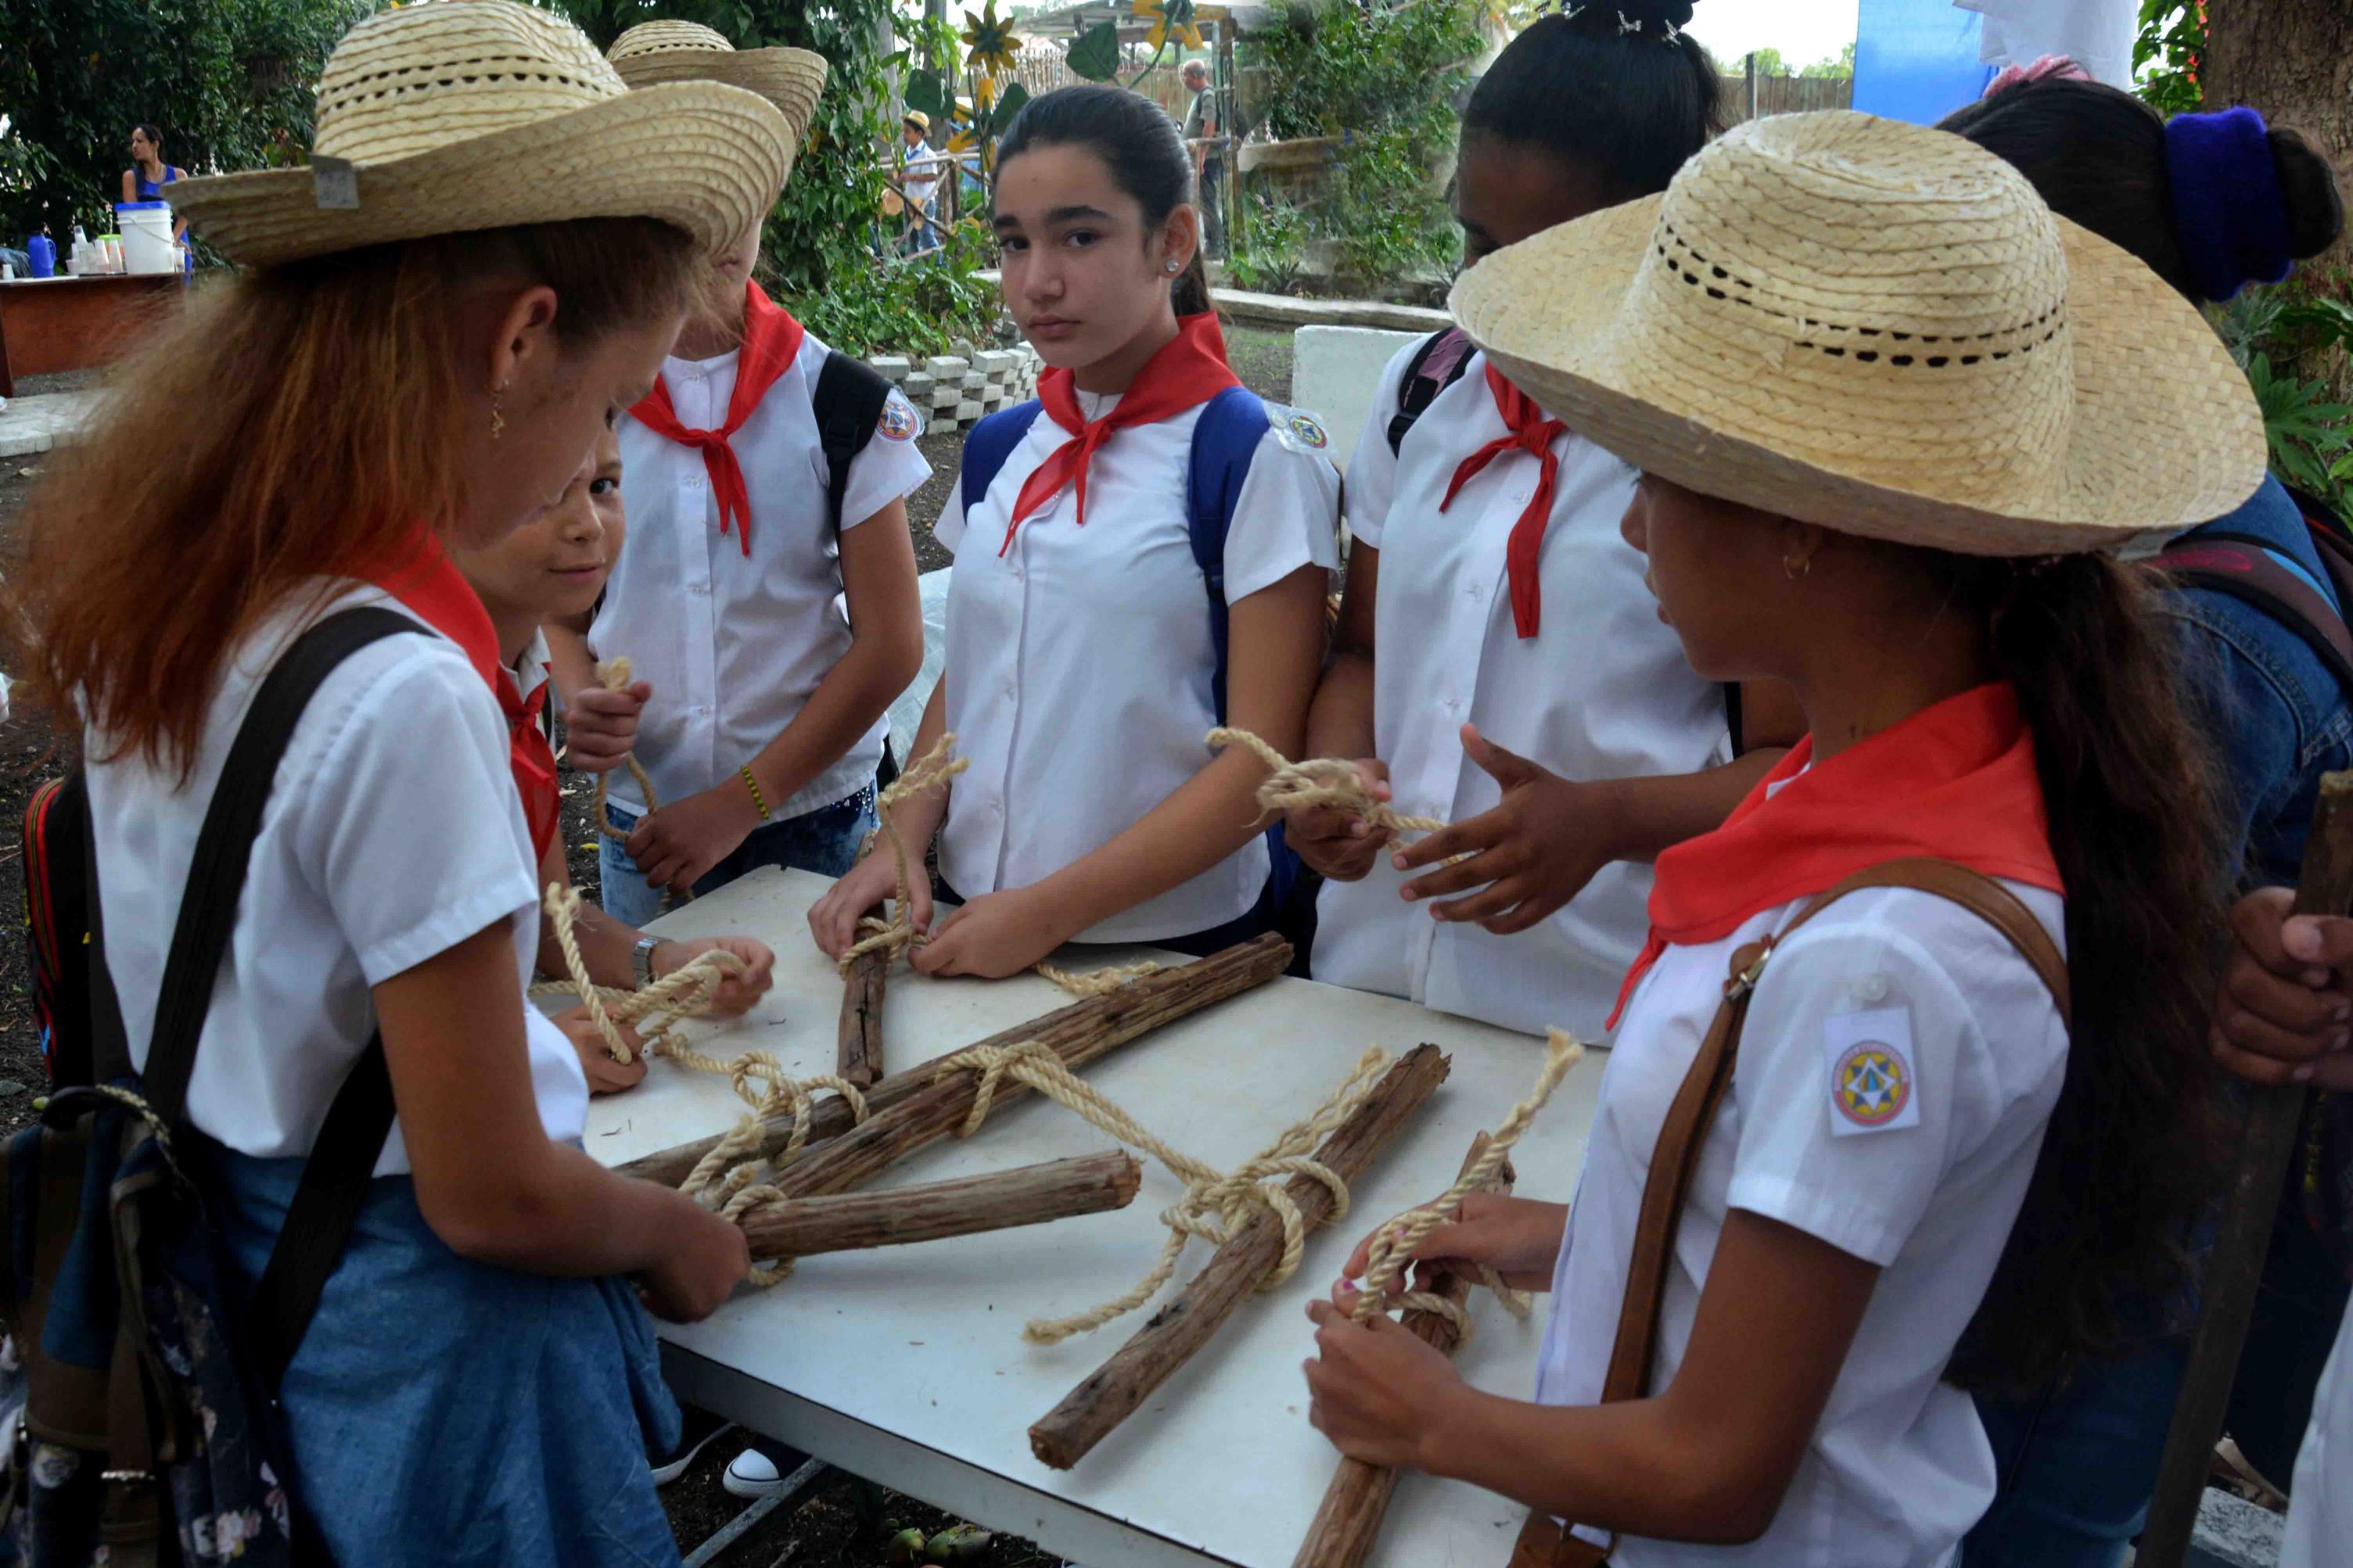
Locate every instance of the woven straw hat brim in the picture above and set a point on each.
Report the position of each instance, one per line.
(2164, 433)
(792, 79)
(703, 156)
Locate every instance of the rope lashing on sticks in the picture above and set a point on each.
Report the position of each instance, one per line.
(614, 676)
(1321, 780)
(897, 935)
(1215, 1204)
(1392, 1245)
(686, 992)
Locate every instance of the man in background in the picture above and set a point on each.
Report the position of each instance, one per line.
(921, 180)
(1204, 137)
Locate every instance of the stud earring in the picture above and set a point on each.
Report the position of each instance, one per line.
(1176, 266)
(497, 420)
(1796, 571)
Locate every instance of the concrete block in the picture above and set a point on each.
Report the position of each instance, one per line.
(946, 395)
(917, 386)
(994, 361)
(946, 367)
(895, 366)
(966, 412)
(972, 381)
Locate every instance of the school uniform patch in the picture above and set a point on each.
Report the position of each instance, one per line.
(1872, 1086)
(1298, 431)
(899, 422)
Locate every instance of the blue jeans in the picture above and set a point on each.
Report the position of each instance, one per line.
(824, 841)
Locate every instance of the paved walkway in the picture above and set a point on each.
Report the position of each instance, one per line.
(30, 426)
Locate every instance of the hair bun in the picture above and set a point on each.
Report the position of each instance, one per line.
(1652, 18)
(2308, 189)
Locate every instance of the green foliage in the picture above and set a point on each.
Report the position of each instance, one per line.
(2166, 54)
(908, 307)
(1768, 62)
(1273, 256)
(228, 81)
(2310, 435)
(1094, 54)
(1384, 82)
(1841, 68)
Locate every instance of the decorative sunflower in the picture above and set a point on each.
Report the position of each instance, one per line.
(990, 44)
(1169, 18)
(983, 90)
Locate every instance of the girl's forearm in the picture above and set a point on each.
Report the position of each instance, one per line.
(859, 689)
(568, 661)
(1340, 721)
(1655, 814)
(1197, 824)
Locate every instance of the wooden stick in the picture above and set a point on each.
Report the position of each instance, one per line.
(1078, 1033)
(858, 1055)
(1348, 1521)
(2226, 1295)
(1121, 1383)
(1029, 1195)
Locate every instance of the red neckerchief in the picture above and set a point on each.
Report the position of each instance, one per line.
(772, 338)
(1529, 431)
(429, 583)
(1190, 369)
(1953, 781)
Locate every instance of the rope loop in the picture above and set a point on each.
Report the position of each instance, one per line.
(1321, 780)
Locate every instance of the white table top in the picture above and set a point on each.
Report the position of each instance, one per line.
(907, 1363)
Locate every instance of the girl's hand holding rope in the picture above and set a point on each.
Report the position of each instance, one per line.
(676, 843)
(741, 988)
(607, 1075)
(1519, 1239)
(994, 935)
(833, 919)
(1378, 1392)
(600, 726)
(1335, 842)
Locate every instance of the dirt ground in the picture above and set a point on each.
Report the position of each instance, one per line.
(845, 1524)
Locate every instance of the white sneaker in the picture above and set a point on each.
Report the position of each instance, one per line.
(751, 1474)
(669, 1470)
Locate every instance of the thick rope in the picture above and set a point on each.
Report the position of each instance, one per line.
(1392, 1245)
(1215, 1204)
(687, 992)
(614, 675)
(897, 934)
(1322, 781)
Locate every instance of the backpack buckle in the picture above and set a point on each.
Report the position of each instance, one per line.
(1743, 979)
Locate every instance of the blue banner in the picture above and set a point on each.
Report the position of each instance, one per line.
(1917, 59)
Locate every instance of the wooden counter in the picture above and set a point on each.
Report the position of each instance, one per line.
(52, 324)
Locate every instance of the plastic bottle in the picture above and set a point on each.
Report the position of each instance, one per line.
(43, 250)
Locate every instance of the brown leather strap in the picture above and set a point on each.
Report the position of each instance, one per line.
(1683, 1135)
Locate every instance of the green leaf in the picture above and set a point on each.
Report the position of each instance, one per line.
(1094, 54)
(923, 94)
(1000, 119)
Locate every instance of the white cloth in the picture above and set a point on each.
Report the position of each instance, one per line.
(392, 833)
(1899, 1468)
(1600, 693)
(530, 671)
(1079, 661)
(2320, 1510)
(2097, 33)
(734, 647)
(922, 176)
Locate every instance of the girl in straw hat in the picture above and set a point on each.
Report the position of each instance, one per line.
(1084, 660)
(2210, 202)
(424, 345)
(1494, 626)
(1858, 1140)
(767, 603)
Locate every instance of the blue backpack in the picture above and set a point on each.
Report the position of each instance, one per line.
(1225, 438)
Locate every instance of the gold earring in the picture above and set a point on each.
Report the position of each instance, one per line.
(1795, 571)
(497, 420)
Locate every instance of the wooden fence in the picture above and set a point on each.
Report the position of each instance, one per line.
(1786, 95)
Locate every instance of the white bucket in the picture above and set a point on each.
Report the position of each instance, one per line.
(147, 245)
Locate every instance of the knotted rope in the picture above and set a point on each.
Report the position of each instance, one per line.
(614, 676)
(723, 1179)
(1392, 1245)
(897, 934)
(1215, 1204)
(1322, 780)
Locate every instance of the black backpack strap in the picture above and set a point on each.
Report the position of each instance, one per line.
(2243, 567)
(849, 398)
(335, 1179)
(1732, 717)
(1422, 382)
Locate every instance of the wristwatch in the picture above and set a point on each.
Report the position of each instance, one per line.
(641, 959)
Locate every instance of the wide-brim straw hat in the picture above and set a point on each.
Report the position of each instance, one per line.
(1882, 329)
(653, 53)
(474, 115)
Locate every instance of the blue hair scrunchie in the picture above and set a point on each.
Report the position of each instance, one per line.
(2229, 217)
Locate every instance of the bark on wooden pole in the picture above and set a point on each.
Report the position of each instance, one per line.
(1078, 1033)
(2264, 1144)
(1029, 1195)
(1348, 1521)
(858, 1054)
(1165, 1343)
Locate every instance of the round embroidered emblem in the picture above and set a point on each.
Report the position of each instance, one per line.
(1872, 1085)
(1307, 430)
(898, 418)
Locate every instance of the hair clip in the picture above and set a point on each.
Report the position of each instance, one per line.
(1624, 26)
(1675, 35)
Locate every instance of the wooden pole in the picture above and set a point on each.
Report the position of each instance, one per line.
(2265, 1146)
(1078, 1033)
(1030, 1195)
(1752, 84)
(1348, 1522)
(858, 1054)
(1121, 1383)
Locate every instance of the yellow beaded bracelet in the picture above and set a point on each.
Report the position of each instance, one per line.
(759, 801)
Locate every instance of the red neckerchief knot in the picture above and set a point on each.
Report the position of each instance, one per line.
(1529, 431)
(1190, 369)
(772, 340)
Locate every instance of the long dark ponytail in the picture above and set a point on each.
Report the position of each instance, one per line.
(1137, 142)
(2143, 846)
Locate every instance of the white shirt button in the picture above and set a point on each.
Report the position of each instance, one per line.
(1870, 987)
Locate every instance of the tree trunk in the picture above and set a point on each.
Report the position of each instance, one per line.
(2292, 60)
